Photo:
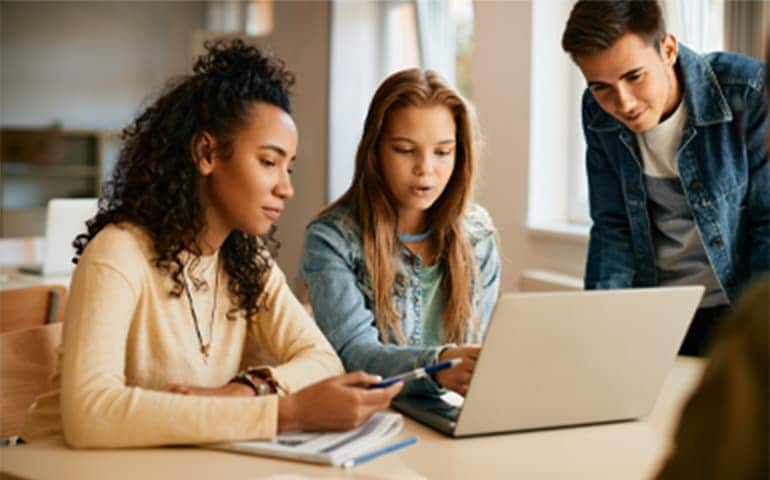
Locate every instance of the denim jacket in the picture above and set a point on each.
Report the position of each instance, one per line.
(723, 170)
(343, 303)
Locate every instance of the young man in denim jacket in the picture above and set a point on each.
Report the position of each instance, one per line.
(678, 178)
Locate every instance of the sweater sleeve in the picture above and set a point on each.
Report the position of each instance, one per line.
(99, 410)
(287, 332)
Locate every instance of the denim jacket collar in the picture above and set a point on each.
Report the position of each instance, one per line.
(706, 103)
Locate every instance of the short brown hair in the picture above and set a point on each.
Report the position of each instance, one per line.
(593, 26)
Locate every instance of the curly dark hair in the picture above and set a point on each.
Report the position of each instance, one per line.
(155, 183)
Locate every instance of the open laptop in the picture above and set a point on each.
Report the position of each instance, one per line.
(65, 219)
(567, 358)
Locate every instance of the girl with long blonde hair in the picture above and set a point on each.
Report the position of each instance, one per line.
(403, 269)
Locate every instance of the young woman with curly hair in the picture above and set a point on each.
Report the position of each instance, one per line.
(176, 280)
(403, 269)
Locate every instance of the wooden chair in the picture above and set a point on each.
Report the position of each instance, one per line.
(31, 306)
(27, 360)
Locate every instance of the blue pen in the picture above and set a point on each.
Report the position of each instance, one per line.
(418, 373)
(382, 451)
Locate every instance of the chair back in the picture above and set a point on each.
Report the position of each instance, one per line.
(27, 361)
(31, 306)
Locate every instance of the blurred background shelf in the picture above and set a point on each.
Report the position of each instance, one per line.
(32, 170)
(37, 164)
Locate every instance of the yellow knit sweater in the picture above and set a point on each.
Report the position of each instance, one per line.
(125, 338)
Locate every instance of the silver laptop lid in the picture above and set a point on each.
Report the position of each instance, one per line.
(566, 358)
(65, 219)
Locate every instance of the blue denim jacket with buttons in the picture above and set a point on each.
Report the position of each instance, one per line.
(343, 304)
(723, 169)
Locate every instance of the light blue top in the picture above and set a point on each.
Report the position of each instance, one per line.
(433, 301)
(341, 295)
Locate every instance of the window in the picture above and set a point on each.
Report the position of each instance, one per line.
(557, 191)
(434, 34)
(558, 188)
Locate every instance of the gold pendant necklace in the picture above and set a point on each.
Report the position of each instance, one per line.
(204, 347)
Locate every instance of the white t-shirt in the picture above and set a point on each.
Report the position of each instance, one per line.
(659, 146)
(680, 257)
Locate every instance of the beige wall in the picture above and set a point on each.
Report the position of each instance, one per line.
(89, 64)
(501, 73)
(301, 38)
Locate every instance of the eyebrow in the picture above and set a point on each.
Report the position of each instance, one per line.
(275, 148)
(405, 139)
(627, 74)
(632, 72)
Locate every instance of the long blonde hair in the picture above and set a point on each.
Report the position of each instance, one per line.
(377, 211)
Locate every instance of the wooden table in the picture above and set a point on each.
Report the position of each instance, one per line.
(627, 450)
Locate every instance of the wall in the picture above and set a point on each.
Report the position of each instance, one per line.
(89, 65)
(301, 38)
(501, 75)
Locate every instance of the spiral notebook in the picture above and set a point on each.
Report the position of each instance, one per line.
(332, 448)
